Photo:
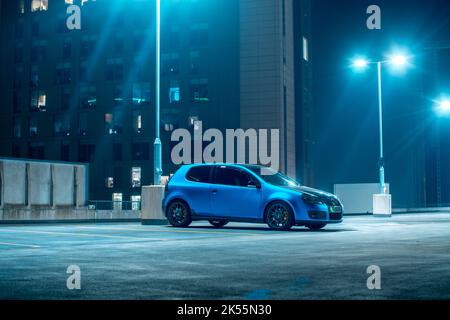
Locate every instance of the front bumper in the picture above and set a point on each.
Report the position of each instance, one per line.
(322, 214)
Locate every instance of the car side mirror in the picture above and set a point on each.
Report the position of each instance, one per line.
(254, 184)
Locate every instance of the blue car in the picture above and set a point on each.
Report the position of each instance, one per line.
(220, 193)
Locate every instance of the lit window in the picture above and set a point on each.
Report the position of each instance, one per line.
(117, 200)
(168, 127)
(305, 49)
(135, 203)
(174, 91)
(112, 125)
(38, 101)
(137, 121)
(135, 177)
(110, 182)
(39, 5)
(109, 123)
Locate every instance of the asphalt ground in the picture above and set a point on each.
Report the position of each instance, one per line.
(240, 261)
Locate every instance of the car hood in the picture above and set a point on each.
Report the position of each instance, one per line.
(312, 191)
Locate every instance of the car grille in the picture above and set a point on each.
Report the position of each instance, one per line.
(317, 215)
(335, 216)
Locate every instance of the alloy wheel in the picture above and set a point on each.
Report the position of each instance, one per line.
(279, 217)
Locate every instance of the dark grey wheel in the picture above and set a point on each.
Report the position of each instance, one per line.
(218, 223)
(279, 216)
(179, 214)
(316, 226)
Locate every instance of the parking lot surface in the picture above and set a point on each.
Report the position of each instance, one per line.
(240, 261)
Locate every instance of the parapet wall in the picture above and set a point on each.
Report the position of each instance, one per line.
(28, 183)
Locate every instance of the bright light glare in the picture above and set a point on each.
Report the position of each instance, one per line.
(445, 105)
(360, 63)
(399, 60)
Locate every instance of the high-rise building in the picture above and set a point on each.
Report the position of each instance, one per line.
(78, 81)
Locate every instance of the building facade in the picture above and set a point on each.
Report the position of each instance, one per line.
(86, 92)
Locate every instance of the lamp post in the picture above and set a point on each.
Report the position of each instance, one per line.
(383, 189)
(397, 60)
(157, 148)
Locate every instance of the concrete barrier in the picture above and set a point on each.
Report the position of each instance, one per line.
(81, 185)
(39, 184)
(27, 183)
(14, 182)
(63, 185)
(152, 212)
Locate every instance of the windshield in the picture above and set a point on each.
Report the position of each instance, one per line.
(273, 177)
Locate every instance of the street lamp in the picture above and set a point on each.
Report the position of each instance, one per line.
(157, 148)
(397, 60)
(444, 105)
(360, 63)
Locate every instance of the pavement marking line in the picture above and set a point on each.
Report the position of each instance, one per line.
(18, 245)
(81, 234)
(174, 230)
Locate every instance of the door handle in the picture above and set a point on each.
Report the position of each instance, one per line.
(214, 191)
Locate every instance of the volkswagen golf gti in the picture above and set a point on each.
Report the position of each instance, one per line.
(220, 193)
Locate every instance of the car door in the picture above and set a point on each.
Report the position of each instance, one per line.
(198, 189)
(233, 196)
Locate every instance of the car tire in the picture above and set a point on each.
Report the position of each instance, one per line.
(179, 214)
(316, 226)
(279, 216)
(218, 223)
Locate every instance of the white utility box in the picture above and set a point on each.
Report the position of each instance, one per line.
(382, 205)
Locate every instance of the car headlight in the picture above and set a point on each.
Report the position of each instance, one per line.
(311, 199)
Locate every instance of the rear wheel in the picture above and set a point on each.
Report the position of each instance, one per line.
(179, 214)
(279, 216)
(218, 223)
(316, 226)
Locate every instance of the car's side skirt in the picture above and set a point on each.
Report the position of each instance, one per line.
(233, 219)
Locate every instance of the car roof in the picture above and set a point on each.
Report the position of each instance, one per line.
(248, 166)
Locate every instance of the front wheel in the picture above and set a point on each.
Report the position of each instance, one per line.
(179, 214)
(218, 223)
(279, 216)
(315, 226)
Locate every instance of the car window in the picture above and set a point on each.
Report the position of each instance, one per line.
(232, 177)
(199, 174)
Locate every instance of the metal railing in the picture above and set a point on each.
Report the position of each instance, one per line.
(99, 205)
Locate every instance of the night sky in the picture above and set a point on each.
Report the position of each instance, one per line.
(345, 102)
